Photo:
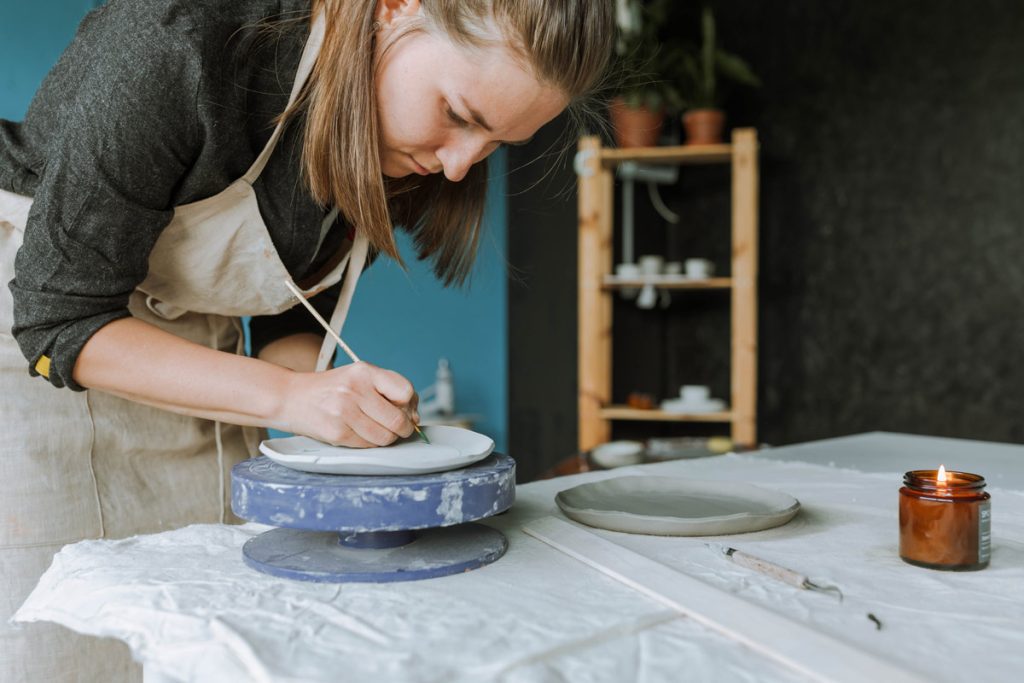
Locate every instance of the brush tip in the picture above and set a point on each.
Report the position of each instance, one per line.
(422, 435)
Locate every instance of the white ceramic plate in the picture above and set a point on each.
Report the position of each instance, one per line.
(674, 506)
(449, 448)
(678, 405)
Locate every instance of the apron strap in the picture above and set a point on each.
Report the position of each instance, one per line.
(355, 267)
(309, 54)
(357, 257)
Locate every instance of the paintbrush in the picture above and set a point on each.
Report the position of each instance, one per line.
(342, 344)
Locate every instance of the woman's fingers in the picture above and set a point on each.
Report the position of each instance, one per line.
(414, 407)
(392, 386)
(351, 439)
(387, 415)
(357, 405)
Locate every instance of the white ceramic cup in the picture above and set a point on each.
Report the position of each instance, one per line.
(699, 268)
(648, 297)
(673, 268)
(650, 264)
(627, 271)
(618, 453)
(695, 393)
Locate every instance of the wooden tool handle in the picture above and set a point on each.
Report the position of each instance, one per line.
(765, 567)
(298, 295)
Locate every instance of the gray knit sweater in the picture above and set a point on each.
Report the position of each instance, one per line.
(155, 103)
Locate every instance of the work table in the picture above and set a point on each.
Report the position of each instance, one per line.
(191, 610)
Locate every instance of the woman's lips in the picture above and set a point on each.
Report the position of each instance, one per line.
(417, 167)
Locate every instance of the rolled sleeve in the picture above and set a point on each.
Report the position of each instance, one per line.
(122, 134)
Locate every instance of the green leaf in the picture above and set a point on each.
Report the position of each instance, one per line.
(708, 50)
(736, 68)
(656, 68)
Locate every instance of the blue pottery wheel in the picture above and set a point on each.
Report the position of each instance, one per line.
(338, 528)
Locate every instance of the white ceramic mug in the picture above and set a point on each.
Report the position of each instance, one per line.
(650, 264)
(699, 268)
(695, 393)
(648, 297)
(627, 271)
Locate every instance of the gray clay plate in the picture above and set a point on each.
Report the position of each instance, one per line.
(674, 506)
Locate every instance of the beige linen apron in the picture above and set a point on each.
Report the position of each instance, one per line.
(78, 465)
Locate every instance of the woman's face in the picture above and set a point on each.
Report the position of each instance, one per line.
(443, 107)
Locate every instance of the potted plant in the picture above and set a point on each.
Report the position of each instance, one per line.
(704, 119)
(644, 64)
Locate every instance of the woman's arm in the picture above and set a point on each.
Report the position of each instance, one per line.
(292, 338)
(355, 405)
(296, 351)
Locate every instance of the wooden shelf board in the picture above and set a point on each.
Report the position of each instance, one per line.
(627, 413)
(678, 154)
(666, 282)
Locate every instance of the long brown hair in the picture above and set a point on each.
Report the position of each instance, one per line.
(566, 44)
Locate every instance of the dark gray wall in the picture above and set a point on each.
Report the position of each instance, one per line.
(542, 302)
(892, 235)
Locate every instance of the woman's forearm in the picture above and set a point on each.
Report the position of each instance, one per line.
(296, 352)
(357, 405)
(135, 360)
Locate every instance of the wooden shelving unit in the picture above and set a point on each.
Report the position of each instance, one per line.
(595, 167)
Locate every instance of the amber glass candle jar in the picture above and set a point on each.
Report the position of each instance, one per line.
(945, 520)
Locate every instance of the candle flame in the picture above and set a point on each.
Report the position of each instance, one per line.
(942, 475)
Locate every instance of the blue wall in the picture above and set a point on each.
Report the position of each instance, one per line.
(403, 321)
(32, 36)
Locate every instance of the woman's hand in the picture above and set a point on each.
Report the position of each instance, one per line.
(358, 405)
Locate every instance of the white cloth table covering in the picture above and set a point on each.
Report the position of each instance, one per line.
(1002, 464)
(192, 611)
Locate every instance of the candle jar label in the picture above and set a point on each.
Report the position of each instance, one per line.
(985, 532)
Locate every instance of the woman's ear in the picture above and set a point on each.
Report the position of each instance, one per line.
(391, 11)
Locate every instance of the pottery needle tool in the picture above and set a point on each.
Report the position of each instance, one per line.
(783, 574)
(334, 335)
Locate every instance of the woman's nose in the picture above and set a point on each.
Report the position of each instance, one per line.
(458, 155)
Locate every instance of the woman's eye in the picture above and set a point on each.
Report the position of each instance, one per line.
(458, 120)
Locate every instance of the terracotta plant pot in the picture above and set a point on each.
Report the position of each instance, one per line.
(635, 126)
(704, 126)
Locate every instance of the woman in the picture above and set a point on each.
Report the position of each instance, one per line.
(151, 200)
